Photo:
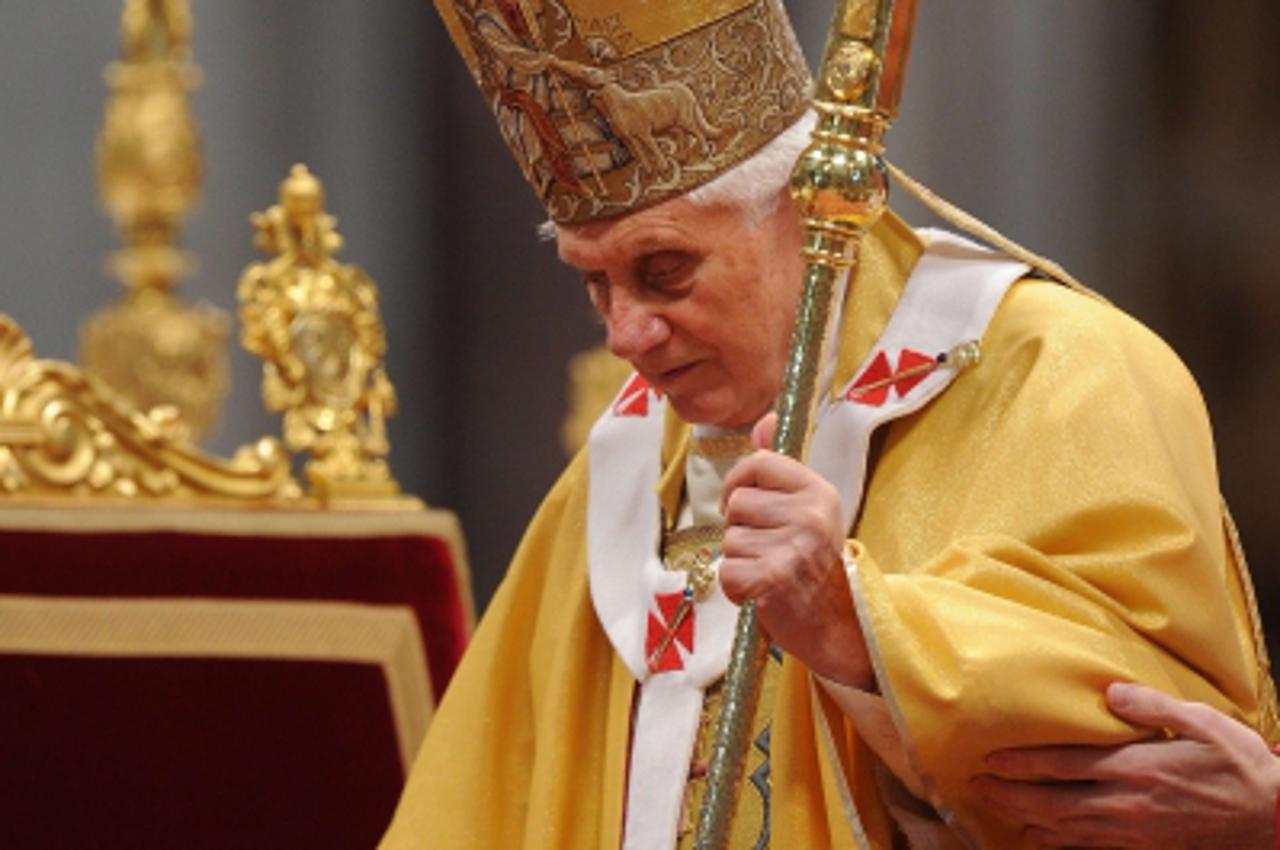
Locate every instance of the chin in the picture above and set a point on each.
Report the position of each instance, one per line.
(721, 413)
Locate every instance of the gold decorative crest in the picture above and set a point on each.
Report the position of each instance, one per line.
(153, 348)
(316, 324)
(611, 106)
(64, 433)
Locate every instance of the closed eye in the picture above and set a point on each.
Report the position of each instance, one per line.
(667, 272)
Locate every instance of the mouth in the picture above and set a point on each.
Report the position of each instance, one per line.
(675, 374)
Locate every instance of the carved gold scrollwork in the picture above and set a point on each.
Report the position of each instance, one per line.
(65, 433)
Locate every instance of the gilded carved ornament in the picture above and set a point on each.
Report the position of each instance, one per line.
(65, 433)
(315, 323)
(153, 348)
(155, 372)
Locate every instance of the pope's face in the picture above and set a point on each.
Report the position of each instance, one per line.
(700, 302)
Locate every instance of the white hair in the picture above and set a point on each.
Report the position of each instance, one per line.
(753, 186)
(757, 184)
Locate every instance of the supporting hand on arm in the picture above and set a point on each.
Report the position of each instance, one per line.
(1212, 787)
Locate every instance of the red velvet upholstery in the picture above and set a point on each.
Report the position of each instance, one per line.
(107, 746)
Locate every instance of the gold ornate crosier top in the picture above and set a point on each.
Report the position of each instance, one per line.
(315, 323)
(612, 105)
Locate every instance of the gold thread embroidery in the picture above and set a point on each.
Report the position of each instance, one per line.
(720, 447)
(640, 126)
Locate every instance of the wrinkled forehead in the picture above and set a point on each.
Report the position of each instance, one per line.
(673, 224)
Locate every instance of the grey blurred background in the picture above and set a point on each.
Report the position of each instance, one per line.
(1136, 142)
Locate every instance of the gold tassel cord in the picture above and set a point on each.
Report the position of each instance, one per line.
(974, 226)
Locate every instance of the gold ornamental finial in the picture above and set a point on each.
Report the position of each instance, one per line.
(316, 325)
(156, 29)
(152, 348)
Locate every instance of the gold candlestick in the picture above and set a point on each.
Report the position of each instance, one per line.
(840, 189)
(152, 348)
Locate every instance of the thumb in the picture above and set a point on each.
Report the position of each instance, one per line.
(1147, 707)
(762, 433)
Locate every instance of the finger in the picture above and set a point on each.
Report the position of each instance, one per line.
(1031, 803)
(751, 566)
(751, 507)
(766, 470)
(742, 579)
(1059, 763)
(1078, 814)
(1092, 831)
(763, 432)
(743, 541)
(1144, 706)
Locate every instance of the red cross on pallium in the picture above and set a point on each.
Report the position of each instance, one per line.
(634, 399)
(873, 385)
(668, 656)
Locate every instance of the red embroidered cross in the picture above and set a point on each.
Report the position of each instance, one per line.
(873, 385)
(666, 635)
(634, 398)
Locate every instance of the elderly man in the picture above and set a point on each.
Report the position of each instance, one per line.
(1012, 499)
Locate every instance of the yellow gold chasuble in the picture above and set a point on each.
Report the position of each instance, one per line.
(1049, 524)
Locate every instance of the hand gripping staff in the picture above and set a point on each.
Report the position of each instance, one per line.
(840, 187)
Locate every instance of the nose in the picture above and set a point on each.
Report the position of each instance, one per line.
(634, 328)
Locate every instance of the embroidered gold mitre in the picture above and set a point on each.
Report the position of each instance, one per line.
(614, 105)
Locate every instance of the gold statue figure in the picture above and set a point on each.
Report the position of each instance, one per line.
(316, 324)
(152, 348)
